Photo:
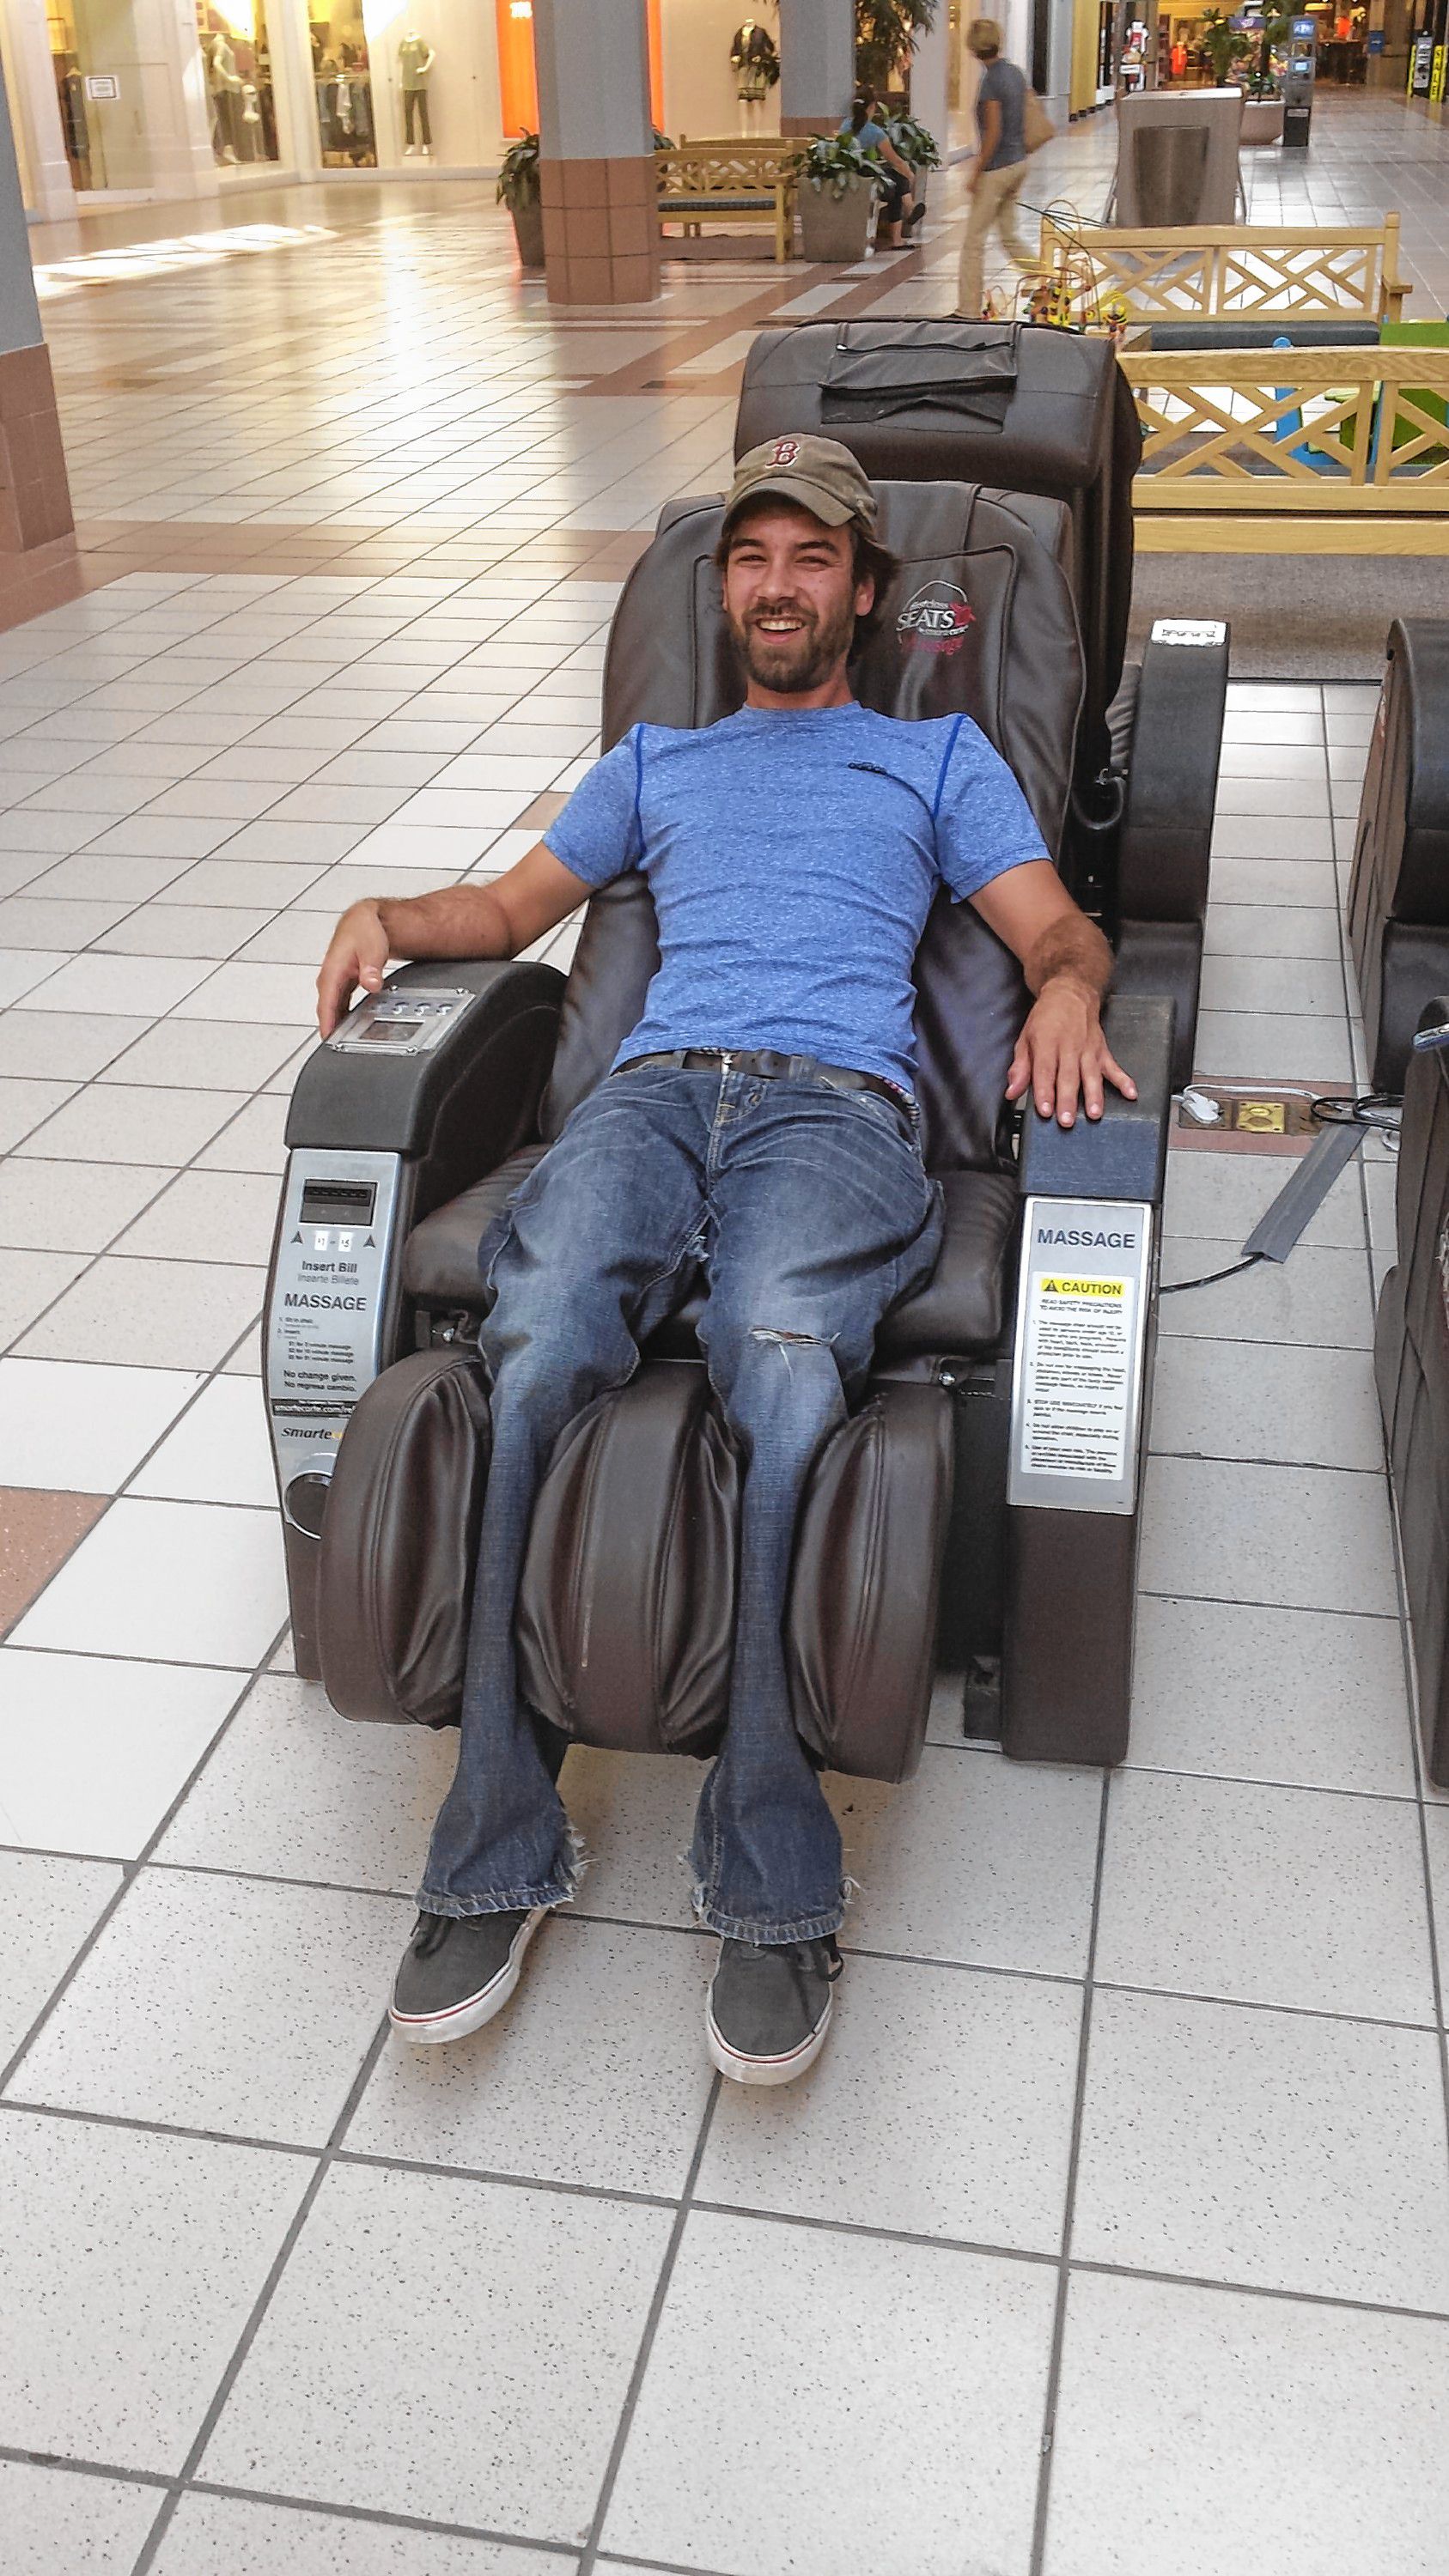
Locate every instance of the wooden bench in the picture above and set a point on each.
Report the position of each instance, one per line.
(744, 181)
(1292, 451)
(1240, 272)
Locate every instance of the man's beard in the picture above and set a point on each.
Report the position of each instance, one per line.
(792, 664)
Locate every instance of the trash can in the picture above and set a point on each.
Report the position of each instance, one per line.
(1170, 169)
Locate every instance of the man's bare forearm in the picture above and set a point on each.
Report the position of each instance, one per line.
(457, 921)
(1073, 948)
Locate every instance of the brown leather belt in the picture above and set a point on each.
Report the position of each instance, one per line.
(774, 1067)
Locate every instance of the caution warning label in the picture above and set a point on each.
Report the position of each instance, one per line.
(1078, 1394)
(1078, 1377)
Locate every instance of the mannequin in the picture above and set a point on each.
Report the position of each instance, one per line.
(71, 91)
(415, 62)
(756, 60)
(224, 83)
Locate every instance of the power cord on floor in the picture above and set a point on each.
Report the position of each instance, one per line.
(1381, 1110)
(1378, 1111)
(1210, 1278)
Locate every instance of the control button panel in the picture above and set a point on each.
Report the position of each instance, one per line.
(330, 1294)
(402, 1023)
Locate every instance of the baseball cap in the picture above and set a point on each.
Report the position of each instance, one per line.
(819, 473)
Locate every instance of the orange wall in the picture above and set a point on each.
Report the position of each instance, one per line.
(517, 83)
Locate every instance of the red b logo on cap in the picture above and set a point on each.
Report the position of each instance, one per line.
(784, 451)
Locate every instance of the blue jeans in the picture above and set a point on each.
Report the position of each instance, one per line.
(809, 1211)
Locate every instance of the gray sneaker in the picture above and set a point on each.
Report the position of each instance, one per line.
(458, 1971)
(769, 2008)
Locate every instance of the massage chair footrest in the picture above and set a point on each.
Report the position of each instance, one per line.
(625, 1618)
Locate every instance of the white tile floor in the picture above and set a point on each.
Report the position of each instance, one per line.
(1111, 2237)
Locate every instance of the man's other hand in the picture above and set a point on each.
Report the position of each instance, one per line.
(357, 954)
(1062, 1056)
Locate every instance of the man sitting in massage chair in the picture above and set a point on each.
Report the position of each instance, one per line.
(759, 1127)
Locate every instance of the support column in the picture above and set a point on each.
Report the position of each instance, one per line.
(930, 80)
(596, 170)
(34, 488)
(817, 64)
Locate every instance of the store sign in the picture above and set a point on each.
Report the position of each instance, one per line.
(101, 86)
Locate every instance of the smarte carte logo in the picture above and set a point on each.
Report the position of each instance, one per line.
(936, 619)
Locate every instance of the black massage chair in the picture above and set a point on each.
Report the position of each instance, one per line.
(979, 1515)
(1399, 929)
(1411, 1364)
(1398, 904)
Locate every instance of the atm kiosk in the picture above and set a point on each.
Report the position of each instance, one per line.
(1298, 79)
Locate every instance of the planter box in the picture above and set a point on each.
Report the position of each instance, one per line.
(834, 229)
(1262, 120)
(528, 233)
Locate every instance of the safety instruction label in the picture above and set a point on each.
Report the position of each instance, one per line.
(1078, 1376)
(1080, 1351)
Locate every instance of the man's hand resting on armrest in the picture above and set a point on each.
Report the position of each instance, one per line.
(1061, 1055)
(458, 921)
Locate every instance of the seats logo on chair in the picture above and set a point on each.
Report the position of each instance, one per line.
(936, 619)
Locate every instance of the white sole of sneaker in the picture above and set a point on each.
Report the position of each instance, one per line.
(764, 2070)
(433, 2030)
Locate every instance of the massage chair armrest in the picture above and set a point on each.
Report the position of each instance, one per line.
(455, 1110)
(1081, 1407)
(1122, 1154)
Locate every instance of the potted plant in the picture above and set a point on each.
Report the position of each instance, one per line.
(917, 148)
(914, 144)
(1224, 45)
(885, 31)
(837, 181)
(1263, 104)
(518, 190)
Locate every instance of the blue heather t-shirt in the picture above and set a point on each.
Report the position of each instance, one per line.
(793, 858)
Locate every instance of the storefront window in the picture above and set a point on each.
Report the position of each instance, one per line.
(342, 74)
(1106, 45)
(238, 70)
(84, 147)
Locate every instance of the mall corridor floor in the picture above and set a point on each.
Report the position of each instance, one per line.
(1110, 2237)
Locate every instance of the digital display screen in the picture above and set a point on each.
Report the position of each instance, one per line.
(338, 1202)
(388, 1032)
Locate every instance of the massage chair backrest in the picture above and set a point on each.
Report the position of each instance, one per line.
(979, 618)
(1016, 405)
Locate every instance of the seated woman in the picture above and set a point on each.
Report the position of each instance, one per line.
(899, 212)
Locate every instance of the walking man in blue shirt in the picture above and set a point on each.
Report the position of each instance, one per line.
(757, 1127)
